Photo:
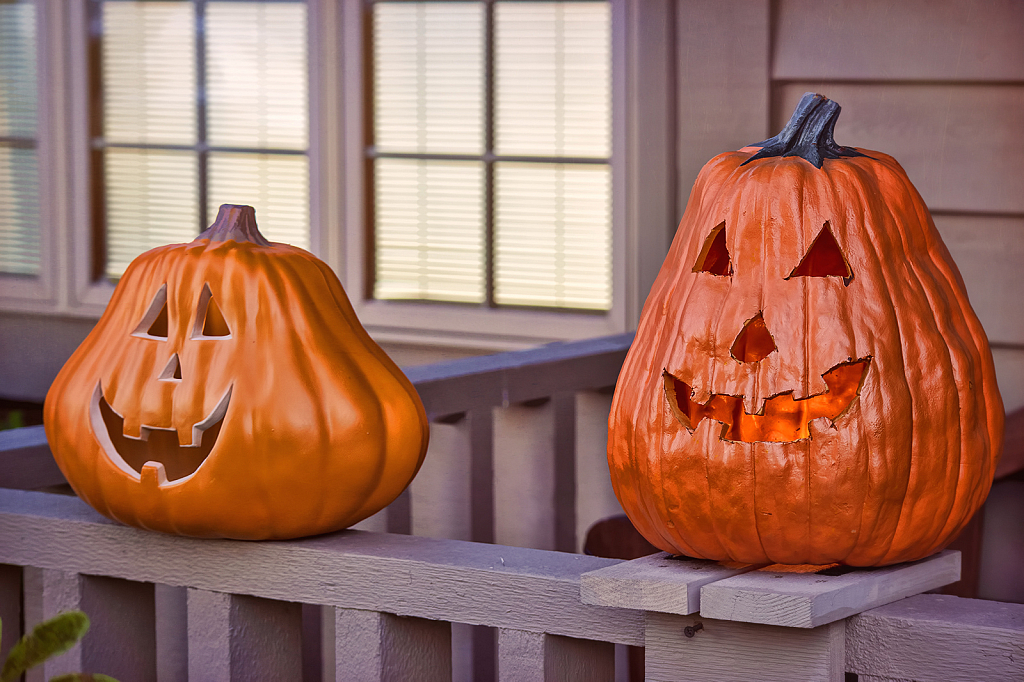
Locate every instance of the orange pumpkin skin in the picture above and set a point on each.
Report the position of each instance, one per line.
(909, 460)
(321, 428)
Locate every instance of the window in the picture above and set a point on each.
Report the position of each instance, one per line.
(467, 167)
(199, 103)
(490, 153)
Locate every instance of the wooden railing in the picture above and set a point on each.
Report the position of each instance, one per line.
(359, 605)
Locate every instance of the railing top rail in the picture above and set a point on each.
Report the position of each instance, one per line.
(451, 580)
(519, 376)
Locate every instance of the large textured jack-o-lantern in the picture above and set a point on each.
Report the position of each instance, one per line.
(228, 390)
(808, 383)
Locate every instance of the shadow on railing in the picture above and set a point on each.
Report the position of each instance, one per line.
(517, 458)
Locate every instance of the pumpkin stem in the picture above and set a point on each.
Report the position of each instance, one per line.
(808, 133)
(234, 223)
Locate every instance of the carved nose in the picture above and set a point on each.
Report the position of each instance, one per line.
(172, 371)
(755, 342)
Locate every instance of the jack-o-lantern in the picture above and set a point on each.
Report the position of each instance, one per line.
(808, 382)
(228, 390)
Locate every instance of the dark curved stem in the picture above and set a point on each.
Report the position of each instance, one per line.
(808, 134)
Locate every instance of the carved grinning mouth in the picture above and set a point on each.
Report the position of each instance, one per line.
(782, 419)
(156, 450)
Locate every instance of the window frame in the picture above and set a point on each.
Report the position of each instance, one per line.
(643, 180)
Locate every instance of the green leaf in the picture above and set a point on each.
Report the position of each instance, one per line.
(49, 638)
(83, 677)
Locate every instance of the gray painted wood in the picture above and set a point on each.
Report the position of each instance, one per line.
(10, 606)
(908, 40)
(171, 606)
(958, 143)
(595, 498)
(535, 656)
(725, 651)
(989, 251)
(382, 647)
(26, 462)
(807, 600)
(394, 573)
(1010, 376)
(519, 376)
(441, 489)
(48, 593)
(121, 641)
(524, 472)
(722, 53)
(242, 638)
(938, 637)
(654, 583)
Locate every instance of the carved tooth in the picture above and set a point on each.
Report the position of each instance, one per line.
(132, 427)
(153, 474)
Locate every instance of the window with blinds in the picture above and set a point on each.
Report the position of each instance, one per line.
(200, 103)
(490, 153)
(19, 166)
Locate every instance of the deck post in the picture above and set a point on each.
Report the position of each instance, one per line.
(10, 606)
(728, 651)
(371, 646)
(535, 656)
(121, 641)
(242, 638)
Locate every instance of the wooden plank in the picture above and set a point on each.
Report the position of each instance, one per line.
(907, 40)
(535, 656)
(497, 586)
(25, 460)
(595, 498)
(989, 251)
(441, 490)
(563, 480)
(657, 582)
(122, 637)
(10, 606)
(938, 637)
(519, 376)
(524, 472)
(722, 62)
(242, 638)
(1002, 554)
(171, 605)
(381, 647)
(1010, 376)
(958, 143)
(47, 593)
(726, 651)
(807, 600)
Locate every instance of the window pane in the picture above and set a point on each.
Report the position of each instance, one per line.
(428, 77)
(429, 230)
(552, 78)
(149, 84)
(256, 75)
(276, 185)
(17, 69)
(19, 211)
(19, 174)
(151, 201)
(552, 235)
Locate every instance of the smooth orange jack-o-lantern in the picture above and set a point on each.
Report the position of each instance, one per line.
(808, 383)
(228, 390)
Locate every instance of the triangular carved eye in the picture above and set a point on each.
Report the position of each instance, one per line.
(714, 255)
(154, 322)
(824, 259)
(210, 322)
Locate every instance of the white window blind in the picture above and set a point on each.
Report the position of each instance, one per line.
(203, 103)
(492, 136)
(19, 174)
